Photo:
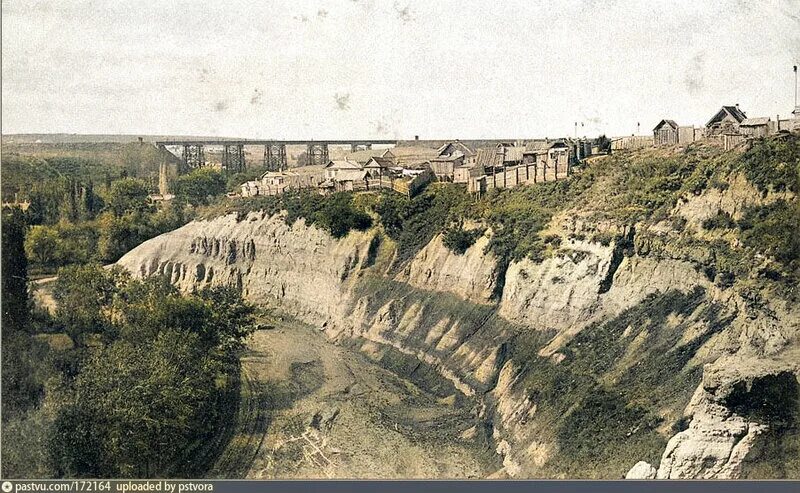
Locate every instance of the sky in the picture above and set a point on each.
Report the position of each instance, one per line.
(394, 69)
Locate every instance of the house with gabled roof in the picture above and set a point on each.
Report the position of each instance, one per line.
(365, 155)
(335, 167)
(665, 133)
(725, 121)
(444, 165)
(378, 166)
(454, 147)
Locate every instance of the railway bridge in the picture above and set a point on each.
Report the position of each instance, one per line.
(233, 155)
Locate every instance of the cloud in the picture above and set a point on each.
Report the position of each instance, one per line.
(220, 106)
(301, 18)
(342, 101)
(322, 13)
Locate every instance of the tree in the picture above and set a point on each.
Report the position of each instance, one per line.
(151, 395)
(15, 270)
(127, 195)
(42, 245)
(84, 294)
(146, 403)
(338, 216)
(21, 390)
(196, 187)
(231, 318)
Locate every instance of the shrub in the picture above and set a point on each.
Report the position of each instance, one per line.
(458, 240)
(722, 220)
(773, 164)
(199, 185)
(772, 230)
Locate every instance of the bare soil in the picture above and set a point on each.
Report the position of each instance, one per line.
(311, 409)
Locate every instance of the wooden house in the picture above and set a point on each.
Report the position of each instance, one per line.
(725, 121)
(665, 133)
(350, 179)
(686, 135)
(489, 160)
(755, 127)
(512, 154)
(334, 168)
(454, 147)
(559, 158)
(444, 165)
(364, 155)
(378, 167)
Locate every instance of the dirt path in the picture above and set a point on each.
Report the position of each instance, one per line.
(311, 409)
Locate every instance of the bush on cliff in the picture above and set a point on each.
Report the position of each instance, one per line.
(773, 164)
(458, 240)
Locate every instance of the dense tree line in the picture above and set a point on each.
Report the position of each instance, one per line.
(149, 378)
(151, 387)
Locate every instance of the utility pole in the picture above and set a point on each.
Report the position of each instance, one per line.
(796, 111)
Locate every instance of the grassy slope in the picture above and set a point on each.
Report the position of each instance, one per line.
(27, 164)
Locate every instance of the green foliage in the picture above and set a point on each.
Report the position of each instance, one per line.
(604, 401)
(14, 270)
(392, 209)
(458, 240)
(104, 239)
(128, 195)
(338, 216)
(63, 199)
(603, 427)
(83, 294)
(722, 220)
(198, 186)
(518, 215)
(413, 223)
(62, 244)
(337, 213)
(233, 181)
(773, 164)
(21, 390)
(136, 407)
(773, 230)
(27, 167)
(151, 393)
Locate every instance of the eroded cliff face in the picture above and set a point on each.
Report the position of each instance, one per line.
(435, 322)
(470, 276)
(303, 269)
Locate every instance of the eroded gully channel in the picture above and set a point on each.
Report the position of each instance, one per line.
(312, 409)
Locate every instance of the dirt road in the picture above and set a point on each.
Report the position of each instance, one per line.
(311, 409)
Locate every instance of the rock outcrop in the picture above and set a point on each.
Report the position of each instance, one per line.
(470, 275)
(436, 323)
(302, 268)
(738, 401)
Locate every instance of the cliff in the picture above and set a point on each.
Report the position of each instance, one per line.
(600, 357)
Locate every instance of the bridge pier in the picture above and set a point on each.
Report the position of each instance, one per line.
(193, 157)
(317, 153)
(275, 157)
(233, 158)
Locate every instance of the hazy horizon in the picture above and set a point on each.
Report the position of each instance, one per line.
(333, 69)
